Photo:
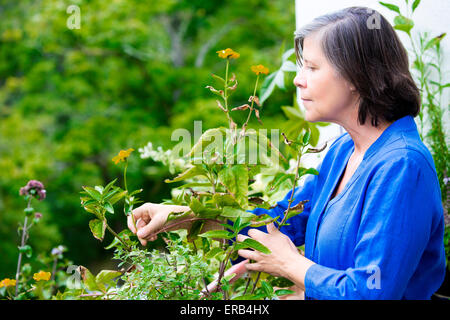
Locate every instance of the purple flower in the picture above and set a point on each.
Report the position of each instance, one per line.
(35, 189)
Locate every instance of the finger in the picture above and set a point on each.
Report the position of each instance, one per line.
(140, 223)
(142, 211)
(249, 254)
(272, 229)
(256, 234)
(238, 269)
(147, 232)
(241, 237)
(130, 224)
(137, 224)
(143, 241)
(253, 266)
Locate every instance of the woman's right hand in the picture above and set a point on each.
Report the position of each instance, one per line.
(151, 218)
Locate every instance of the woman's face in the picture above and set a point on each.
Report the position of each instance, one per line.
(326, 96)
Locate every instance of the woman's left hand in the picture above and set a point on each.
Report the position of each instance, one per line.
(284, 259)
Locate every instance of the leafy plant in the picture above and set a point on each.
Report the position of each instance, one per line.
(28, 284)
(216, 173)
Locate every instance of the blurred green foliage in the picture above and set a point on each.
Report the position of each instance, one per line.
(133, 72)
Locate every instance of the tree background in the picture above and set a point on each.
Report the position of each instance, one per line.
(135, 71)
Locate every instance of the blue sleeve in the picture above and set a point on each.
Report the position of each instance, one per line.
(395, 227)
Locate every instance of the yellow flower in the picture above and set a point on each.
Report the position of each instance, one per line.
(228, 53)
(260, 69)
(42, 275)
(123, 154)
(7, 283)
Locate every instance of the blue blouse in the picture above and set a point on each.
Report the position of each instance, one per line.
(382, 236)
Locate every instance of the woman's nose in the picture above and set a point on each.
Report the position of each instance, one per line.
(299, 80)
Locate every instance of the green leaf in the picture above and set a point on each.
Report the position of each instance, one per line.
(433, 42)
(251, 243)
(263, 220)
(108, 206)
(264, 142)
(89, 202)
(136, 192)
(306, 137)
(223, 200)
(415, 5)
(227, 278)
(248, 297)
(105, 278)
(109, 186)
(391, 6)
(195, 229)
(111, 193)
(279, 179)
(93, 193)
(189, 173)
(288, 66)
(117, 196)
(293, 113)
(205, 140)
(282, 292)
(287, 54)
(281, 282)
(26, 250)
(124, 235)
(233, 213)
(88, 279)
(267, 288)
(235, 180)
(205, 212)
(98, 228)
(267, 87)
(222, 234)
(403, 23)
(213, 252)
(222, 80)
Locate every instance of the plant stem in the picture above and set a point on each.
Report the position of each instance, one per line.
(54, 268)
(117, 236)
(223, 266)
(287, 210)
(164, 229)
(253, 100)
(125, 174)
(292, 194)
(22, 243)
(126, 189)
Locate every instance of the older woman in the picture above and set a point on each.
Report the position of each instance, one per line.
(373, 226)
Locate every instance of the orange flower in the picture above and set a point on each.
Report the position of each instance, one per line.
(7, 283)
(123, 154)
(228, 53)
(260, 69)
(42, 275)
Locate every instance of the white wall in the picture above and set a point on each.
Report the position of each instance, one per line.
(431, 15)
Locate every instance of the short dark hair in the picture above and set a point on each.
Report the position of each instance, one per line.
(370, 57)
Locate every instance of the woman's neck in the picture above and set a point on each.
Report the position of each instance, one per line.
(364, 136)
